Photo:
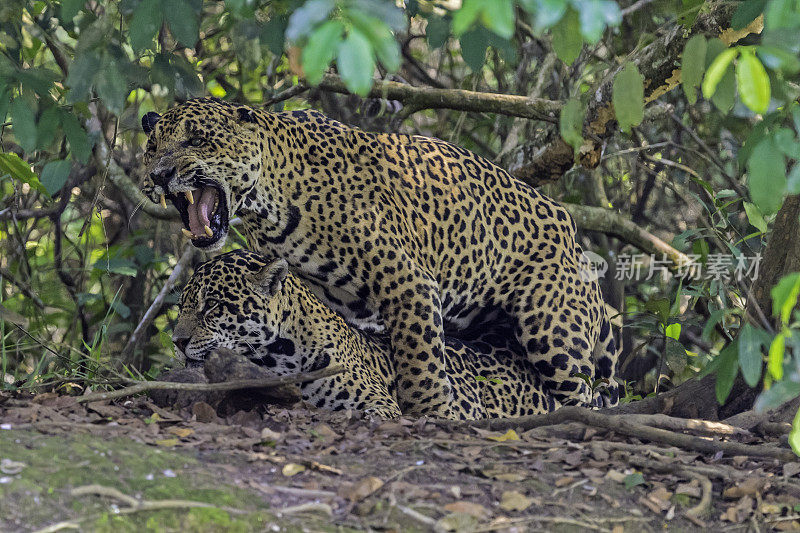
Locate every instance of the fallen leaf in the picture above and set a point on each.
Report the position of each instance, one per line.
(564, 481)
(456, 522)
(616, 475)
(689, 489)
(268, 434)
(650, 505)
(791, 469)
(632, 480)
(660, 497)
(361, 489)
(508, 435)
(793, 525)
(514, 501)
(181, 432)
(11, 467)
(291, 469)
(748, 487)
(167, 442)
(474, 509)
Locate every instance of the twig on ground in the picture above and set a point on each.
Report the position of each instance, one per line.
(419, 517)
(135, 506)
(155, 307)
(705, 500)
(305, 508)
(621, 425)
(144, 386)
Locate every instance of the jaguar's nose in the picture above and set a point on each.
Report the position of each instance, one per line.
(162, 175)
(181, 343)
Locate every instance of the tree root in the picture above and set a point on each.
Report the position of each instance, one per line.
(625, 426)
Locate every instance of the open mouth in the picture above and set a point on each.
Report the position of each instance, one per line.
(204, 213)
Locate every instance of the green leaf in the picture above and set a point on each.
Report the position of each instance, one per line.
(47, 127)
(304, 19)
(755, 217)
(318, 53)
(380, 37)
(775, 356)
(628, 97)
(182, 21)
(76, 136)
(633, 480)
(547, 12)
(794, 434)
(473, 47)
(356, 62)
(766, 171)
(54, 176)
(11, 164)
(570, 123)
(747, 13)
(112, 87)
(274, 33)
(466, 16)
(595, 15)
(23, 122)
(81, 73)
(673, 331)
(750, 358)
(752, 81)
(567, 41)
(70, 8)
(659, 307)
(693, 64)
(716, 70)
(125, 267)
(499, 18)
(726, 372)
(784, 296)
(778, 394)
(437, 31)
(144, 25)
(787, 143)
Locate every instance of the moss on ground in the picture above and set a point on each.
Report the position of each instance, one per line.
(39, 494)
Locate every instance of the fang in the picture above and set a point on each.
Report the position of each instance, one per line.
(208, 231)
(163, 202)
(188, 234)
(189, 197)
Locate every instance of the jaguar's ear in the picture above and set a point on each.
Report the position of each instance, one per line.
(149, 121)
(269, 280)
(245, 114)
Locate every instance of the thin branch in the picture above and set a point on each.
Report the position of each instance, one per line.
(607, 221)
(457, 99)
(155, 307)
(265, 383)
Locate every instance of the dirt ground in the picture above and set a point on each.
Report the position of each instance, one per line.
(129, 465)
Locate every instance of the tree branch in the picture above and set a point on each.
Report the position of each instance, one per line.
(265, 383)
(607, 221)
(457, 99)
(546, 160)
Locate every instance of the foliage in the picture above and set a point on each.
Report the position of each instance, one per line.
(80, 261)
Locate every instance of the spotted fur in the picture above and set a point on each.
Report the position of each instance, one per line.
(404, 233)
(253, 306)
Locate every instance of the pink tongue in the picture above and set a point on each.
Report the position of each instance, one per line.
(198, 213)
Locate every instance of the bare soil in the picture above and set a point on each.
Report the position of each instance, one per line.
(129, 465)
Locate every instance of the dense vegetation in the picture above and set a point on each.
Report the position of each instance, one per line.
(682, 117)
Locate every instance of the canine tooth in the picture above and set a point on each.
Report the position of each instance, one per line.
(208, 231)
(163, 202)
(189, 197)
(188, 234)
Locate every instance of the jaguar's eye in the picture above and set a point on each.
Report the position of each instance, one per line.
(196, 141)
(209, 306)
